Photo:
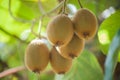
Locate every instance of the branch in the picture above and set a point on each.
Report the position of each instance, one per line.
(11, 71)
(41, 7)
(80, 4)
(64, 7)
(17, 19)
(20, 68)
(34, 20)
(12, 35)
(32, 28)
(41, 18)
(53, 10)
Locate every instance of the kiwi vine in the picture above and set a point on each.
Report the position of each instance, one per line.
(65, 46)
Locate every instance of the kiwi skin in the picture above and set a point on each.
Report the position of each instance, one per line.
(85, 24)
(73, 48)
(59, 64)
(36, 56)
(60, 30)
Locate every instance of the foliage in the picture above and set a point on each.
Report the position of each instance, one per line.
(107, 31)
(15, 33)
(85, 65)
(112, 57)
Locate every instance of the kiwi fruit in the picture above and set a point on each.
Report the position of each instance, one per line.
(60, 30)
(73, 48)
(59, 64)
(85, 24)
(36, 56)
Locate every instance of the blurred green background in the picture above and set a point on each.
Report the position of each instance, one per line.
(17, 19)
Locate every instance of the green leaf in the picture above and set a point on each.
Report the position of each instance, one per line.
(112, 57)
(22, 9)
(32, 76)
(84, 67)
(29, 9)
(45, 76)
(86, 4)
(107, 31)
(95, 5)
(7, 22)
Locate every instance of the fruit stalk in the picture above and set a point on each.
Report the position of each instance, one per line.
(80, 4)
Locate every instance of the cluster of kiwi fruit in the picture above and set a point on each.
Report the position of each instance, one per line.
(67, 36)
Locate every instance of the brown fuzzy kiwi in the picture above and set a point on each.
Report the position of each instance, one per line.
(73, 48)
(36, 56)
(85, 24)
(59, 64)
(60, 30)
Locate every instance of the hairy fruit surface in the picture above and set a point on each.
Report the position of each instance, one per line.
(60, 30)
(85, 24)
(36, 56)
